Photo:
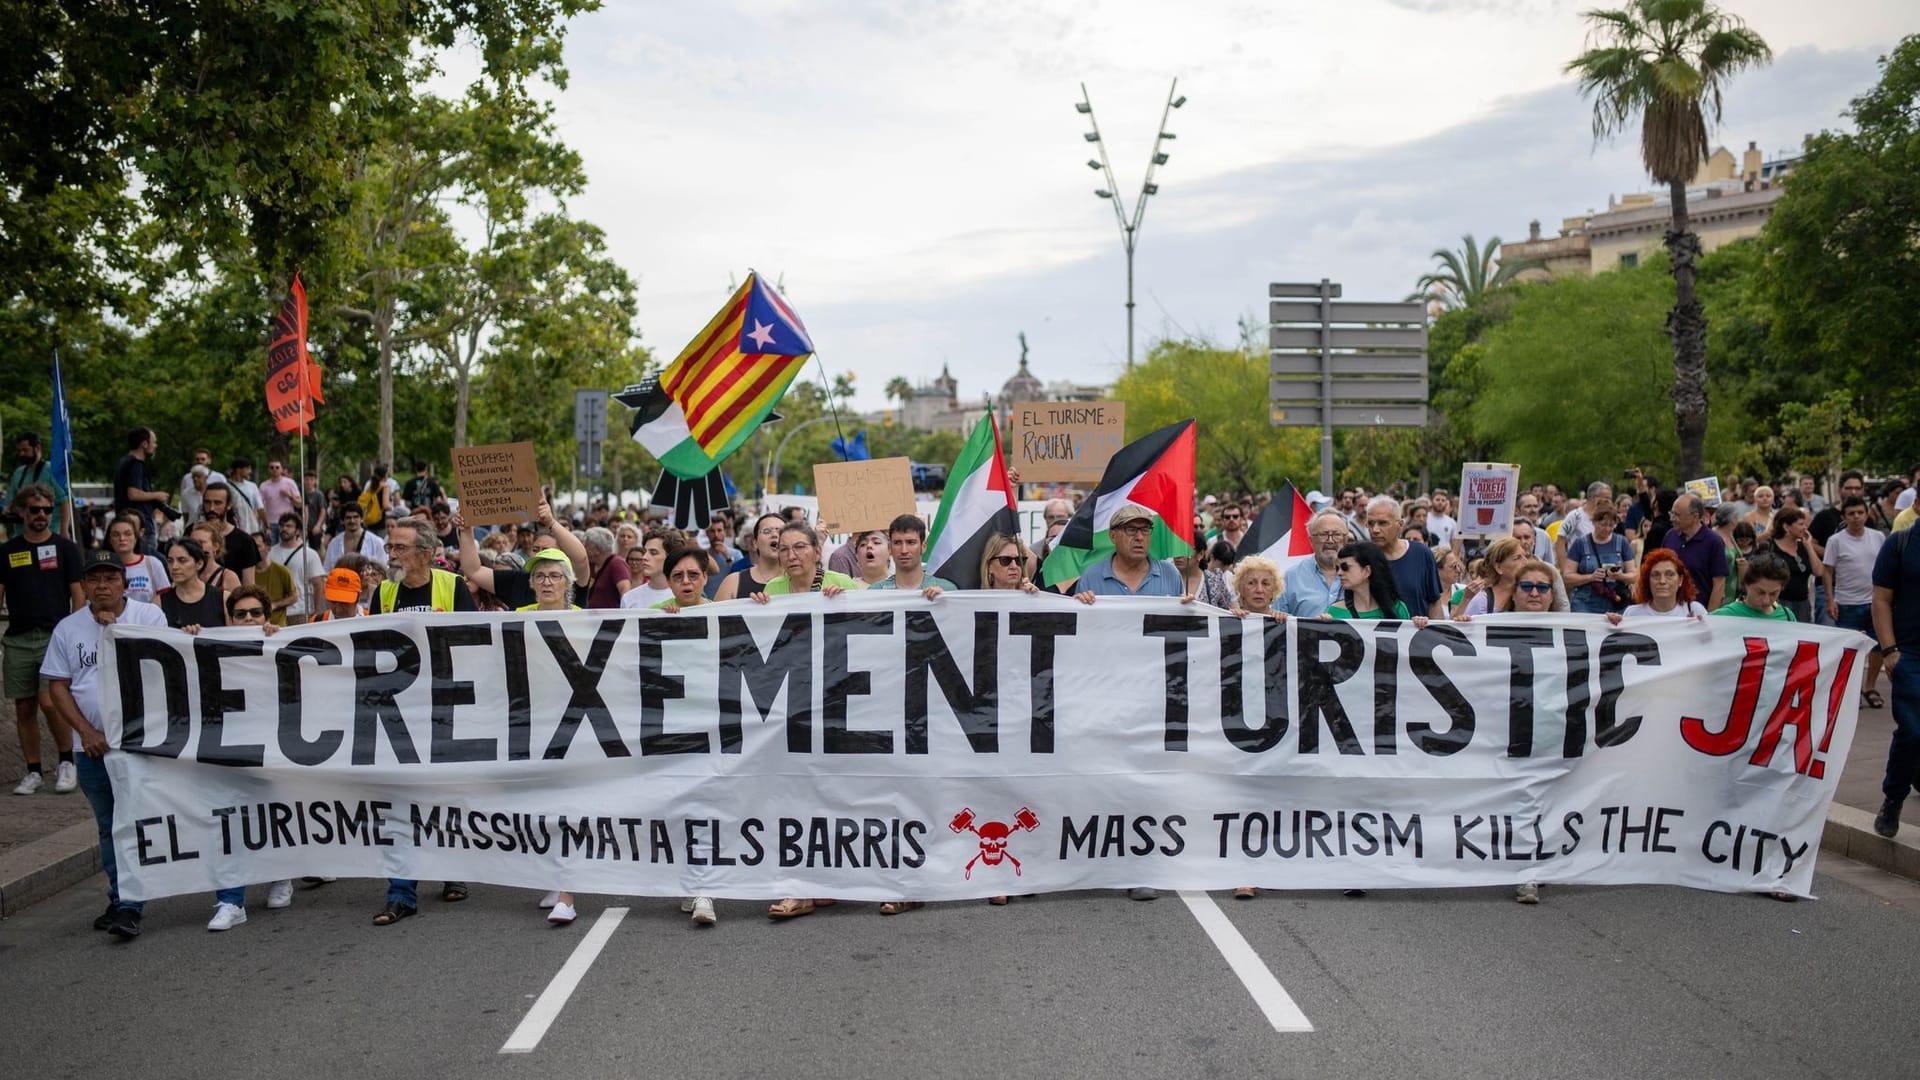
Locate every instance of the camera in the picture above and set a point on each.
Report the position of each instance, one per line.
(1630, 474)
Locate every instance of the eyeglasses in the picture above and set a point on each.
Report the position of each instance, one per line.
(1130, 527)
(249, 613)
(1006, 560)
(402, 548)
(685, 575)
(1329, 536)
(1534, 587)
(549, 579)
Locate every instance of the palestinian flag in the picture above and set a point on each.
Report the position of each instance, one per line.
(978, 503)
(1280, 532)
(1154, 472)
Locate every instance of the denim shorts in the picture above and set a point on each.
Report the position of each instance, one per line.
(1856, 617)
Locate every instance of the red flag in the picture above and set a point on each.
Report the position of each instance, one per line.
(293, 379)
(1280, 532)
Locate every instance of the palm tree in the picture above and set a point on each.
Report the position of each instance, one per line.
(899, 389)
(1667, 61)
(1462, 276)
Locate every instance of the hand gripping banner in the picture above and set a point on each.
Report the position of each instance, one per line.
(881, 746)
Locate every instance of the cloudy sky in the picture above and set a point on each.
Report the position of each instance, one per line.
(916, 171)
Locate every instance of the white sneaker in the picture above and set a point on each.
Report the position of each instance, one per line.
(550, 899)
(1528, 893)
(226, 917)
(703, 911)
(66, 778)
(29, 784)
(561, 915)
(281, 894)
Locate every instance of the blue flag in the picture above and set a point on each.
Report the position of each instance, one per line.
(62, 449)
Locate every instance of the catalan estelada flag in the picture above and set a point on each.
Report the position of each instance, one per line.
(293, 379)
(721, 387)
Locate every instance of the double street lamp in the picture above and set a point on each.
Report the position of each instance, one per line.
(1129, 227)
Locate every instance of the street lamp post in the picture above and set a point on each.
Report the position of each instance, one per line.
(1129, 227)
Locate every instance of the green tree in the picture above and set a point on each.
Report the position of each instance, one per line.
(1565, 386)
(1842, 274)
(1668, 62)
(1464, 276)
(1225, 390)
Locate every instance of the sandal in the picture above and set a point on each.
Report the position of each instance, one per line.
(453, 892)
(1244, 892)
(997, 901)
(393, 913)
(1783, 896)
(898, 907)
(790, 908)
(1872, 699)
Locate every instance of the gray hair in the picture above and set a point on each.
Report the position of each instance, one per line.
(599, 536)
(1597, 488)
(422, 529)
(1392, 505)
(1723, 515)
(1338, 517)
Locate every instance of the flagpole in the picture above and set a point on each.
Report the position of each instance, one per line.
(66, 451)
(827, 384)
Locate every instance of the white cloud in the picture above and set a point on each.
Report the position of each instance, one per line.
(916, 170)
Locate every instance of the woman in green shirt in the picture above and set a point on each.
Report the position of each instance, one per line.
(800, 558)
(1366, 579)
(1767, 577)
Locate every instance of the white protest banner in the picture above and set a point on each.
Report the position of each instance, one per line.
(878, 745)
(1488, 492)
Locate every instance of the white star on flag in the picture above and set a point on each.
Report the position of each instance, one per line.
(762, 334)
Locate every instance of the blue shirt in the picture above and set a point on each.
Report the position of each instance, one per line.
(1898, 569)
(1161, 580)
(1417, 577)
(1307, 592)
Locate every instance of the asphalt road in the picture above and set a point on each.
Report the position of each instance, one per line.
(1595, 982)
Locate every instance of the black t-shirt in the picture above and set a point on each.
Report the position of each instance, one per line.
(238, 551)
(1801, 566)
(420, 598)
(450, 541)
(209, 610)
(514, 588)
(1825, 524)
(39, 579)
(421, 491)
(131, 475)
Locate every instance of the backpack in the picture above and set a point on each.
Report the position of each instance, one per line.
(371, 508)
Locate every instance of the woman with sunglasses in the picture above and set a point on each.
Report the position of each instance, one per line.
(1367, 587)
(1003, 564)
(192, 603)
(550, 573)
(687, 570)
(1533, 585)
(146, 574)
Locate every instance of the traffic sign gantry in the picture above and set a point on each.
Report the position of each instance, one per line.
(1340, 363)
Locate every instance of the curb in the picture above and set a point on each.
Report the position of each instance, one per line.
(34, 871)
(1849, 833)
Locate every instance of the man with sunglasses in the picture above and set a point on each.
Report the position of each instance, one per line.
(1232, 523)
(40, 585)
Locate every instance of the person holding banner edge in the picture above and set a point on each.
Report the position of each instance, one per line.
(686, 572)
(551, 573)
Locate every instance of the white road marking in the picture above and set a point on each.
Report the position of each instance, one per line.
(1273, 999)
(554, 998)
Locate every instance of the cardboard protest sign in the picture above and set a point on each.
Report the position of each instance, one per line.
(499, 484)
(1488, 492)
(1065, 441)
(1707, 488)
(856, 496)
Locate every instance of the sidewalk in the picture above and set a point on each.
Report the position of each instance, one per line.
(48, 841)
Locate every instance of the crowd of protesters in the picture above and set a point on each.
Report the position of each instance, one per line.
(222, 549)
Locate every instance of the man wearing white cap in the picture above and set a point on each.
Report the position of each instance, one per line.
(1903, 503)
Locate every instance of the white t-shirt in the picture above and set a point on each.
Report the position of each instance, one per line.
(643, 596)
(1575, 525)
(1441, 529)
(370, 545)
(1852, 562)
(74, 654)
(146, 579)
(300, 561)
(1693, 609)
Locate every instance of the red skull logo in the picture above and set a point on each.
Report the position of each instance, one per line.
(993, 836)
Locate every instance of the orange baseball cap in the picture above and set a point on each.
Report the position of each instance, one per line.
(343, 586)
